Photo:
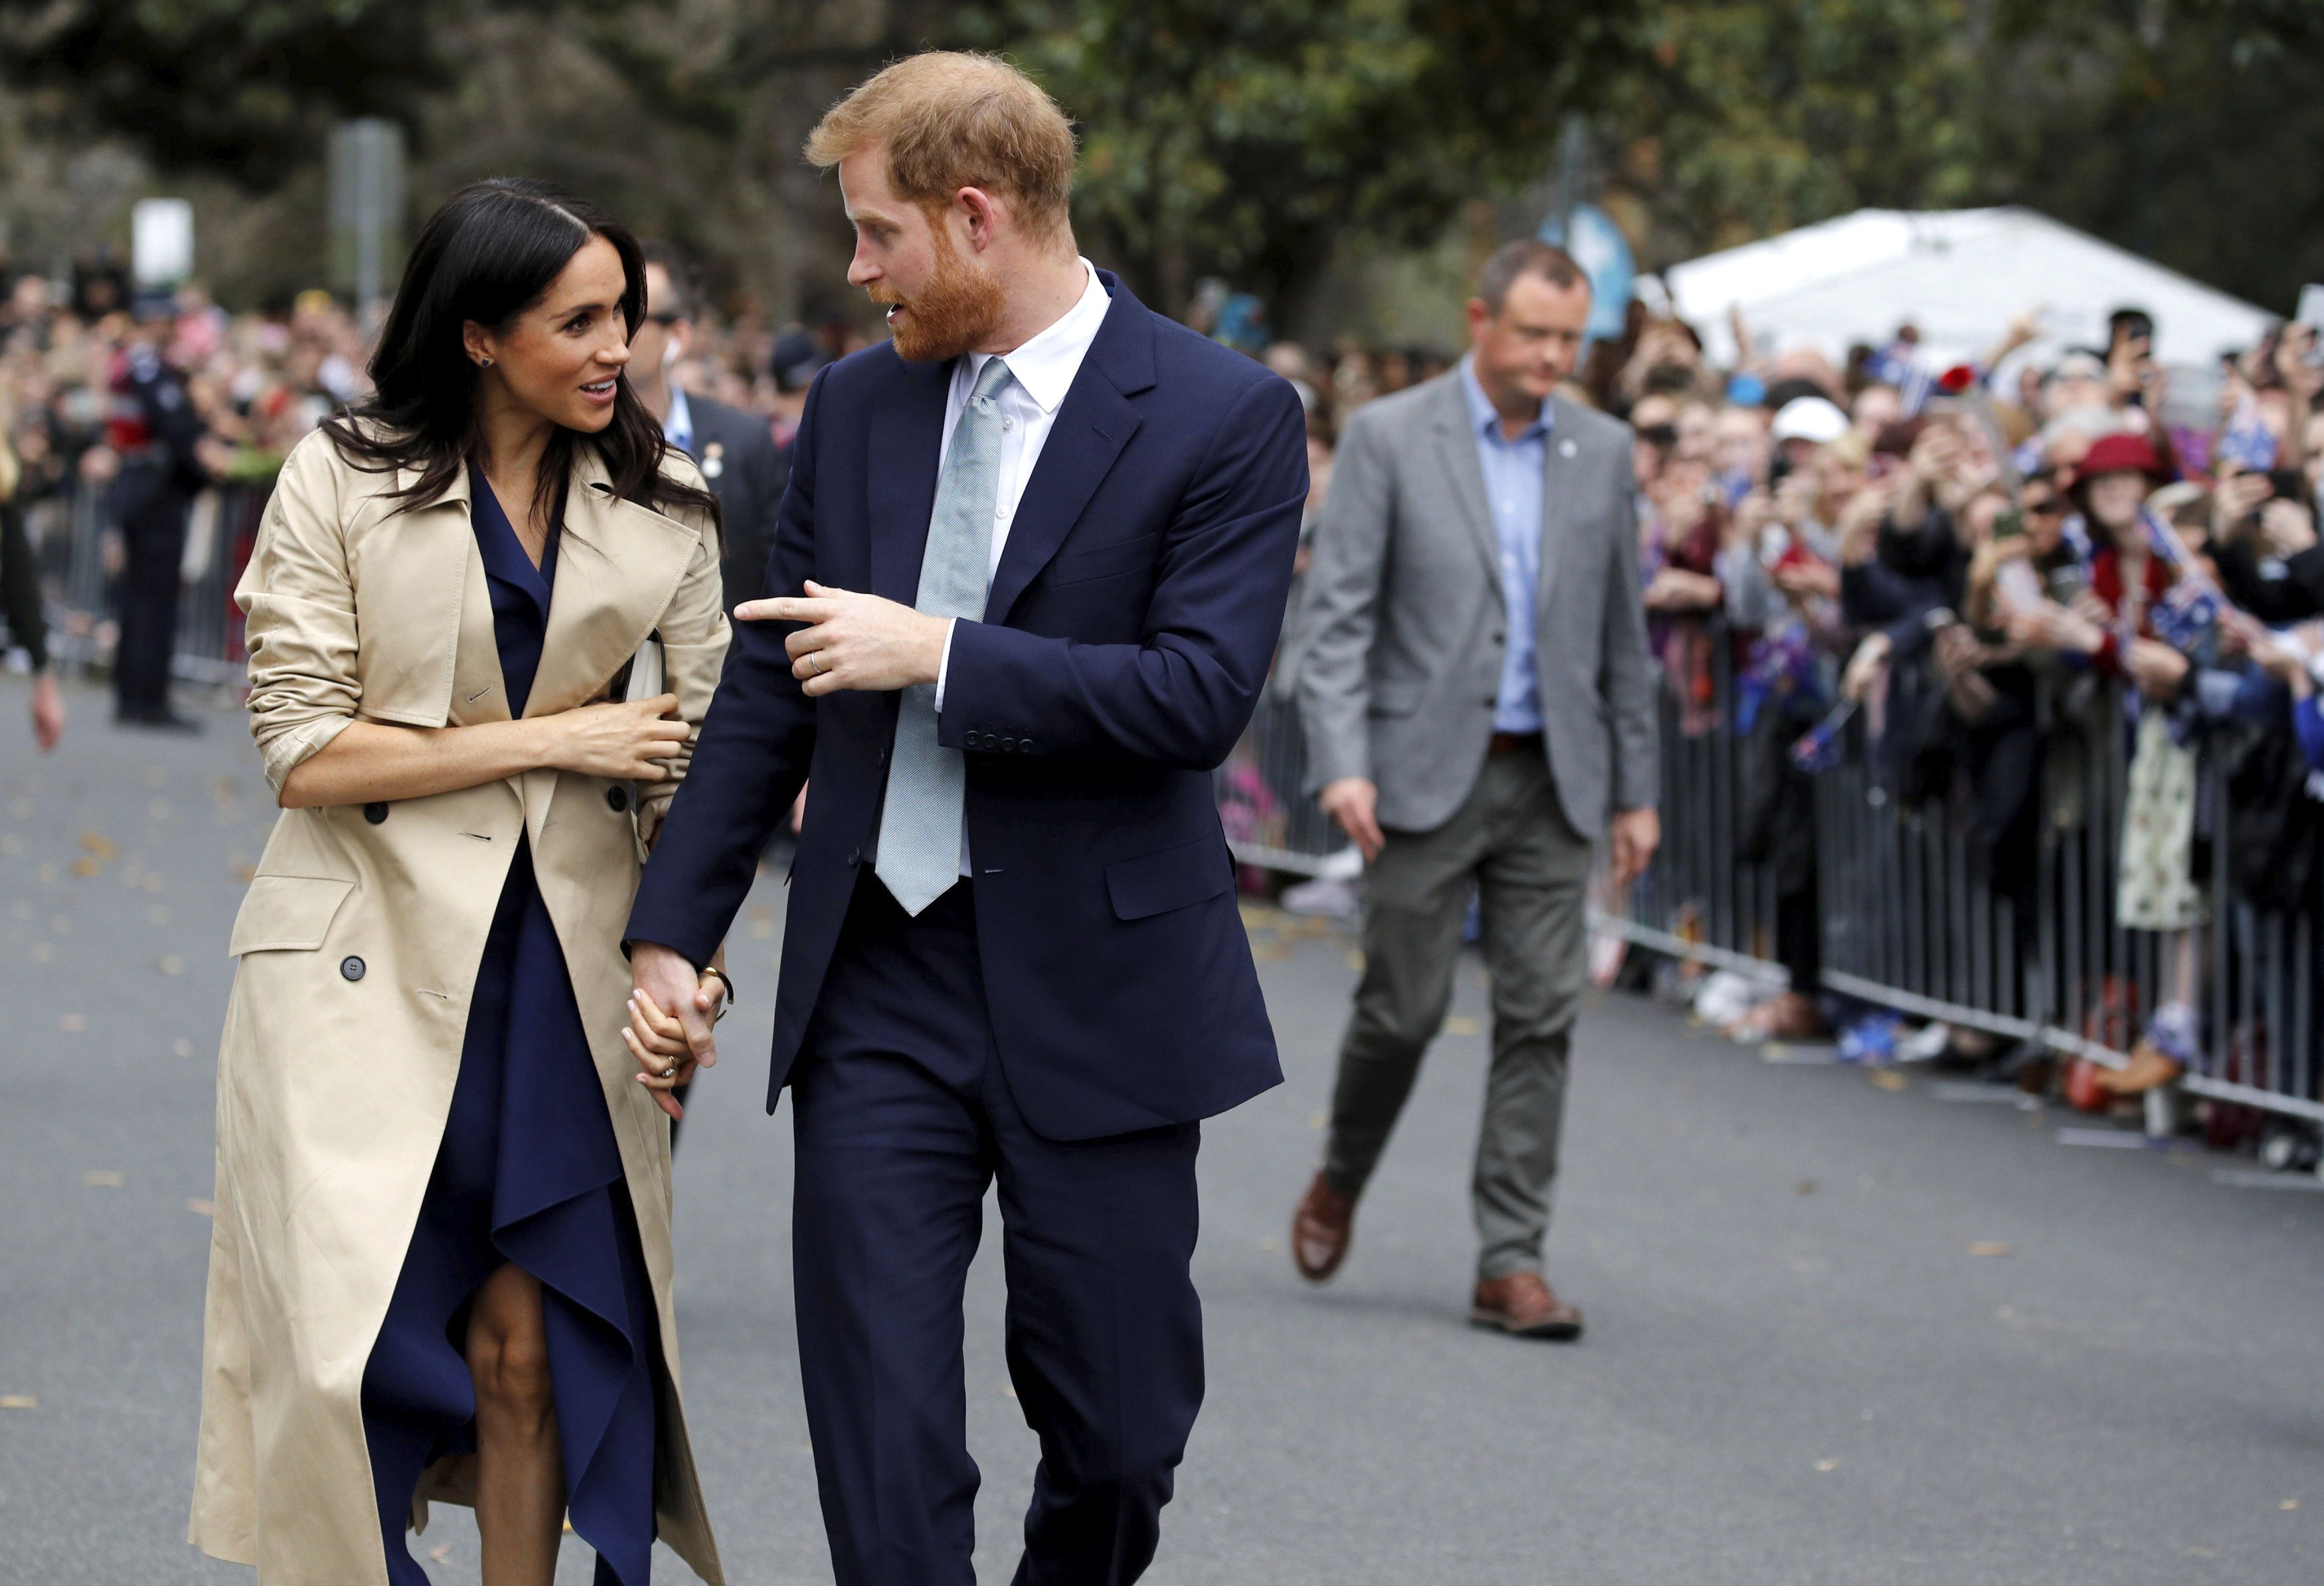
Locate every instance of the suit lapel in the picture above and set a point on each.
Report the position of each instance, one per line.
(1456, 452)
(1093, 423)
(617, 566)
(1559, 473)
(906, 436)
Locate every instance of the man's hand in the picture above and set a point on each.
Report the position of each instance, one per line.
(1352, 802)
(855, 641)
(670, 1023)
(1636, 833)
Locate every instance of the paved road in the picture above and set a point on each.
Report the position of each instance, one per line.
(1797, 1371)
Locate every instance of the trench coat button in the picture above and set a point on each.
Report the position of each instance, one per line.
(376, 814)
(617, 800)
(351, 968)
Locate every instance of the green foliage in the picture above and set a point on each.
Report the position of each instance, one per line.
(244, 87)
(1743, 118)
(1249, 136)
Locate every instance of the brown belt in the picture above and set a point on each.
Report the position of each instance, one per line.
(1514, 742)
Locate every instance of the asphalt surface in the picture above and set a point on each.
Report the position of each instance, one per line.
(1841, 1329)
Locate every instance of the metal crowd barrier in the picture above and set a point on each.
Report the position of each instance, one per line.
(79, 552)
(1903, 918)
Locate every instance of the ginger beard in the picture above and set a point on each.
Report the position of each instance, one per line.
(957, 308)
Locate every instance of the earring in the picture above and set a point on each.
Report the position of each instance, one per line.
(483, 363)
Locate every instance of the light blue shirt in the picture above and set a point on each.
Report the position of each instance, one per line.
(678, 428)
(1517, 477)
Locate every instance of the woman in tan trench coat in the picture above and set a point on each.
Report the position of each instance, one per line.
(441, 1266)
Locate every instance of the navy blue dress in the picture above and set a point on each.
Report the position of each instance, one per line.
(529, 1172)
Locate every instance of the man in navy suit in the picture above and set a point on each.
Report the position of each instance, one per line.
(1027, 581)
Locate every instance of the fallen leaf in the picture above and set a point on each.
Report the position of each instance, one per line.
(1987, 1247)
(103, 1178)
(2289, 1503)
(72, 1024)
(1887, 1080)
(20, 1401)
(440, 1553)
(1827, 1466)
(86, 866)
(99, 844)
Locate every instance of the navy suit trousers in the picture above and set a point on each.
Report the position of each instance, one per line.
(903, 1120)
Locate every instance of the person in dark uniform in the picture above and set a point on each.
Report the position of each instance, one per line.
(736, 449)
(152, 423)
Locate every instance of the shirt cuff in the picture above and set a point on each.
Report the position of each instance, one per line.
(944, 666)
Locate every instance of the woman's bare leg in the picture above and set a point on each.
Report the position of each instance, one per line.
(520, 1471)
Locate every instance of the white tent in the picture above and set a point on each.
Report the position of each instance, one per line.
(1960, 276)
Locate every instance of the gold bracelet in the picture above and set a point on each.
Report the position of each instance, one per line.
(726, 1004)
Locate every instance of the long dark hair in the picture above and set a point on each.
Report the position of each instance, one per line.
(489, 253)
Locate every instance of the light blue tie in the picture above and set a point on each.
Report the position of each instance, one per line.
(920, 823)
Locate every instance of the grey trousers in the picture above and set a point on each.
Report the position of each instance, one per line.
(1532, 871)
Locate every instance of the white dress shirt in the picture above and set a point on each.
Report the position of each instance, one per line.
(1042, 372)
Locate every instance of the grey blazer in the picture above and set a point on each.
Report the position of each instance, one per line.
(1402, 616)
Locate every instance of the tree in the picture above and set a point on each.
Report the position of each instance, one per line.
(1251, 137)
(243, 87)
(1738, 119)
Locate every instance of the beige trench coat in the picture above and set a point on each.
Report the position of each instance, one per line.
(333, 1092)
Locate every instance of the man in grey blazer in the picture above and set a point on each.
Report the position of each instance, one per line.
(1477, 701)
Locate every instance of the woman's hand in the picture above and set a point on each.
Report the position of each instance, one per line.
(626, 741)
(658, 1040)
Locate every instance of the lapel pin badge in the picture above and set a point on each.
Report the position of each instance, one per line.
(714, 460)
(1566, 448)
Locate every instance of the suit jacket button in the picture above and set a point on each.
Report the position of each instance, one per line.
(376, 814)
(617, 800)
(1010, 744)
(976, 739)
(854, 856)
(1025, 746)
(351, 968)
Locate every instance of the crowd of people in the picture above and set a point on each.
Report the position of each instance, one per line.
(1966, 556)
(1935, 546)
(137, 404)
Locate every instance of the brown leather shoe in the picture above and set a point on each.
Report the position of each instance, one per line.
(1321, 1229)
(1522, 1305)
